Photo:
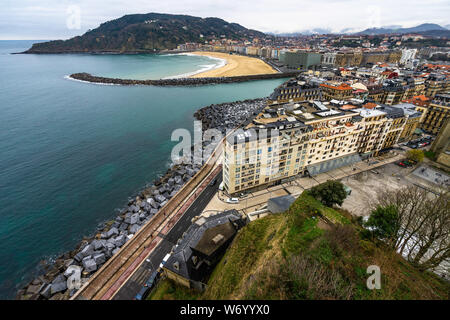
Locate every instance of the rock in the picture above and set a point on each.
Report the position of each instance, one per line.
(153, 212)
(134, 218)
(178, 180)
(119, 219)
(115, 251)
(89, 265)
(100, 258)
(59, 278)
(119, 240)
(112, 232)
(46, 292)
(58, 287)
(153, 203)
(97, 244)
(68, 262)
(88, 250)
(134, 208)
(160, 199)
(163, 203)
(79, 256)
(70, 270)
(142, 216)
(166, 195)
(123, 226)
(34, 289)
(134, 228)
(171, 181)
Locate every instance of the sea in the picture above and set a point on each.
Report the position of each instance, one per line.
(72, 153)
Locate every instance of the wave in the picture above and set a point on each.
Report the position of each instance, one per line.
(203, 68)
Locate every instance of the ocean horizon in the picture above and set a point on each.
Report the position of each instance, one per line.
(73, 152)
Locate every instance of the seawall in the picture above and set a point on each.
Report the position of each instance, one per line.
(179, 82)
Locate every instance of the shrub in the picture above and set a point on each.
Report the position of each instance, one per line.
(329, 193)
(415, 154)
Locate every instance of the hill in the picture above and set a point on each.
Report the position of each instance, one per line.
(425, 29)
(309, 252)
(141, 33)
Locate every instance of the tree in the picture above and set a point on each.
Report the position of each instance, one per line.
(421, 231)
(415, 154)
(329, 193)
(384, 222)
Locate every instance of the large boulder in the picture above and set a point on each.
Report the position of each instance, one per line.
(97, 244)
(89, 265)
(99, 258)
(87, 250)
(58, 287)
(47, 291)
(70, 270)
(134, 218)
(112, 232)
(134, 228)
(119, 240)
(160, 199)
(152, 203)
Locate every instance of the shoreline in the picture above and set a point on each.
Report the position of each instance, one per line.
(236, 65)
(223, 62)
(50, 278)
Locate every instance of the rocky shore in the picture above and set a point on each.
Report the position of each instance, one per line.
(93, 251)
(178, 81)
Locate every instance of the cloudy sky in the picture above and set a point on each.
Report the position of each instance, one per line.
(61, 19)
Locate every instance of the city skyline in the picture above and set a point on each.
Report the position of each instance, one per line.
(58, 19)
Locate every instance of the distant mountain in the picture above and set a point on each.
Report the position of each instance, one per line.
(423, 28)
(147, 33)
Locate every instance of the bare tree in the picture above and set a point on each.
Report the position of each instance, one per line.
(423, 235)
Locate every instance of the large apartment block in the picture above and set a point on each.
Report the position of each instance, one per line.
(436, 113)
(304, 138)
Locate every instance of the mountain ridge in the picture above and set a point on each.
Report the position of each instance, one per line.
(145, 33)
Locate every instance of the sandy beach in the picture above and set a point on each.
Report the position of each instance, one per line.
(236, 66)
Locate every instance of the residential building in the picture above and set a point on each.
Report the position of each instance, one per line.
(201, 247)
(437, 114)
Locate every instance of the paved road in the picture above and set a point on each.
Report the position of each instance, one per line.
(135, 283)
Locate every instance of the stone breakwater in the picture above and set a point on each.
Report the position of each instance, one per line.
(93, 251)
(178, 81)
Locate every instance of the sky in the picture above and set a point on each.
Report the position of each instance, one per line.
(63, 19)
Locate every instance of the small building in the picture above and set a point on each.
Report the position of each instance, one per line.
(203, 244)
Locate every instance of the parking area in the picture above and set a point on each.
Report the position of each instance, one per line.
(366, 186)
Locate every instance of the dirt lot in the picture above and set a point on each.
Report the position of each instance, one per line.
(367, 185)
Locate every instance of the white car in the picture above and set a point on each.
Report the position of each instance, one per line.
(233, 200)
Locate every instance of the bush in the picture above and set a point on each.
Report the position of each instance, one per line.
(384, 222)
(329, 193)
(416, 155)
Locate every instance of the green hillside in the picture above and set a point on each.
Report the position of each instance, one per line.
(309, 252)
(147, 33)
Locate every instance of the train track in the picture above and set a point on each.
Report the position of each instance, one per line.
(115, 272)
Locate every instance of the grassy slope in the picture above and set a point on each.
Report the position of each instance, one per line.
(297, 255)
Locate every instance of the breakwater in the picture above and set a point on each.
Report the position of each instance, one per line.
(94, 250)
(179, 81)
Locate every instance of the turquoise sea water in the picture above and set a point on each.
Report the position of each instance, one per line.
(71, 152)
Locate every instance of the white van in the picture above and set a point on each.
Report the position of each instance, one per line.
(233, 200)
(166, 257)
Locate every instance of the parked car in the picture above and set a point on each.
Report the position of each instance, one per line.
(233, 200)
(149, 284)
(213, 182)
(401, 164)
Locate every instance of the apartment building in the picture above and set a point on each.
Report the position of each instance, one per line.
(336, 90)
(412, 121)
(279, 145)
(310, 137)
(296, 90)
(436, 113)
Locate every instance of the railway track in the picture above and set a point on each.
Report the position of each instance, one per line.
(115, 272)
